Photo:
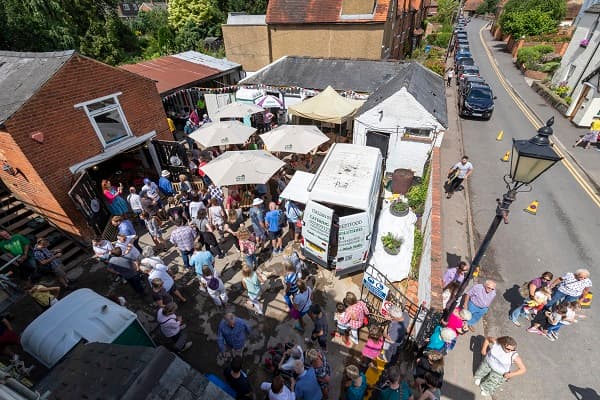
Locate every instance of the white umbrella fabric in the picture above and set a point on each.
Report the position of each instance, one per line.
(269, 101)
(294, 138)
(238, 110)
(242, 167)
(222, 133)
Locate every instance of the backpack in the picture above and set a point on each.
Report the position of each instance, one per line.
(213, 283)
(282, 219)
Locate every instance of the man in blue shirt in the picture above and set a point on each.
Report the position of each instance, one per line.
(201, 258)
(257, 219)
(305, 386)
(164, 183)
(272, 219)
(232, 334)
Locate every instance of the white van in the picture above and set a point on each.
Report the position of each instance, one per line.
(342, 202)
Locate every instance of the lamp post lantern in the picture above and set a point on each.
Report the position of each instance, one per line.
(529, 159)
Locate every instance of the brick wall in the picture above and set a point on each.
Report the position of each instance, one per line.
(430, 267)
(68, 134)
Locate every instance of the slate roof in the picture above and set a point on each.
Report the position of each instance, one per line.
(179, 70)
(116, 372)
(363, 76)
(322, 11)
(427, 87)
(23, 74)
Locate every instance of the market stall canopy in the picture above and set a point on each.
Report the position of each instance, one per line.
(327, 106)
(222, 133)
(294, 138)
(242, 167)
(237, 110)
(269, 101)
(297, 188)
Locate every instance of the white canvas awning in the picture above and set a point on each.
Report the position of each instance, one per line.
(297, 188)
(111, 151)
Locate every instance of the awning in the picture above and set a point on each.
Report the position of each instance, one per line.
(327, 106)
(297, 188)
(112, 151)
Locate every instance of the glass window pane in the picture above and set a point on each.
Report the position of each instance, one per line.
(101, 104)
(111, 126)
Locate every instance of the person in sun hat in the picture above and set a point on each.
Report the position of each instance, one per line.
(164, 183)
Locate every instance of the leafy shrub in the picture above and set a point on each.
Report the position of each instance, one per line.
(531, 56)
(416, 255)
(550, 67)
(527, 23)
(436, 66)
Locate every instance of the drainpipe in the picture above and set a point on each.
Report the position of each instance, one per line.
(588, 61)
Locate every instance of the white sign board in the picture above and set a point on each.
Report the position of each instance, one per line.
(352, 243)
(376, 287)
(316, 229)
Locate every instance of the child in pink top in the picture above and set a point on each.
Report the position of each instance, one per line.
(457, 320)
(374, 344)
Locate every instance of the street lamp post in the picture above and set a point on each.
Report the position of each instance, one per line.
(529, 159)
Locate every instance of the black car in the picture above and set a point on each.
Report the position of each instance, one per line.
(464, 83)
(477, 100)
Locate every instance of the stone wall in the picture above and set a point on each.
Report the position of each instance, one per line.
(551, 98)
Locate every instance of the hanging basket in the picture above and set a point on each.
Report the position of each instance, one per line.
(399, 208)
(391, 244)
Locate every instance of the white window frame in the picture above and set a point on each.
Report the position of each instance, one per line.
(94, 113)
(408, 133)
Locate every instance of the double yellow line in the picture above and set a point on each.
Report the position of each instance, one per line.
(558, 147)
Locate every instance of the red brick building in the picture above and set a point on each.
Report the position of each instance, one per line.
(66, 123)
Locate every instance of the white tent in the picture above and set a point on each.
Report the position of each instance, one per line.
(222, 133)
(294, 138)
(242, 167)
(327, 106)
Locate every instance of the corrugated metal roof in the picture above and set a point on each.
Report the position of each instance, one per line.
(245, 19)
(195, 57)
(23, 74)
(324, 11)
(363, 76)
(173, 72)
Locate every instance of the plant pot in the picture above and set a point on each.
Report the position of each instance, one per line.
(398, 213)
(391, 251)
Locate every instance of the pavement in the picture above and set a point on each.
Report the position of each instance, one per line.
(556, 239)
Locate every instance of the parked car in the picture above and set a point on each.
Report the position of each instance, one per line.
(467, 70)
(477, 100)
(467, 80)
(460, 42)
(461, 53)
(461, 62)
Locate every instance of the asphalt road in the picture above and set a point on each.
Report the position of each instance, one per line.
(562, 237)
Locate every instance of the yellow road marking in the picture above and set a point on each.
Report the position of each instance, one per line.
(558, 147)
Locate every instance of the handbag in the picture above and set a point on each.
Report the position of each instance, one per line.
(294, 313)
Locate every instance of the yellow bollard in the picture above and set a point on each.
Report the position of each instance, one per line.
(500, 136)
(532, 207)
(506, 156)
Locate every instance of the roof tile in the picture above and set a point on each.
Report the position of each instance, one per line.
(319, 11)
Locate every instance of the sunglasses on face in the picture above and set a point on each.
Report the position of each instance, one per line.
(507, 349)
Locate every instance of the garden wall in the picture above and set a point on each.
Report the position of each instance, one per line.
(551, 98)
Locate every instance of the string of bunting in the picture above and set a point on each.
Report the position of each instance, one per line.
(199, 91)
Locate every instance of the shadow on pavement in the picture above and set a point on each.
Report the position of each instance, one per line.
(451, 391)
(475, 347)
(452, 259)
(513, 296)
(584, 393)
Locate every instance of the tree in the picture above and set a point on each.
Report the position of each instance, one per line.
(527, 23)
(201, 13)
(488, 6)
(446, 11)
(556, 8)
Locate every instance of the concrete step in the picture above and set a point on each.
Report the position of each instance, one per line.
(19, 217)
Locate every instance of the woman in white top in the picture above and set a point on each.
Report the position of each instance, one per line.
(172, 327)
(102, 248)
(499, 356)
(215, 215)
(195, 205)
(277, 390)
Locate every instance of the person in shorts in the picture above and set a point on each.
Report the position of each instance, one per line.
(321, 328)
(272, 219)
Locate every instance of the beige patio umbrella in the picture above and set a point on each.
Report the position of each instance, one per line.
(294, 138)
(242, 167)
(222, 133)
(237, 110)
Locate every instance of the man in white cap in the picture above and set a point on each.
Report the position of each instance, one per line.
(164, 183)
(257, 217)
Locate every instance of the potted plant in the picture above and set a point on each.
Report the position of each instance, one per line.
(584, 43)
(391, 243)
(399, 208)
